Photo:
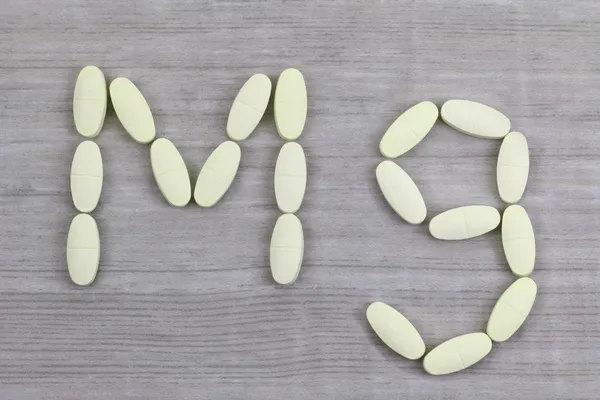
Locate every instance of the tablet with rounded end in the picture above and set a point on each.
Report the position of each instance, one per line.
(170, 172)
(475, 119)
(87, 175)
(512, 309)
(409, 129)
(83, 250)
(291, 104)
(217, 174)
(397, 332)
(249, 107)
(457, 354)
(89, 102)
(512, 170)
(287, 249)
(132, 110)
(290, 177)
(401, 192)
(518, 240)
(464, 222)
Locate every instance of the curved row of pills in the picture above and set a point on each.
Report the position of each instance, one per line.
(507, 316)
(401, 192)
(475, 119)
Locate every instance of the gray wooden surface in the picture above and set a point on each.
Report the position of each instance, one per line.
(184, 306)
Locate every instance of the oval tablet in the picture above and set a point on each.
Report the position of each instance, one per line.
(287, 249)
(86, 176)
(217, 174)
(89, 102)
(512, 309)
(170, 172)
(464, 222)
(290, 177)
(291, 104)
(475, 119)
(401, 192)
(518, 240)
(457, 354)
(513, 167)
(83, 250)
(249, 107)
(408, 129)
(395, 330)
(132, 110)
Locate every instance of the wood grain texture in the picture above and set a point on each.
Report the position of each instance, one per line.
(184, 306)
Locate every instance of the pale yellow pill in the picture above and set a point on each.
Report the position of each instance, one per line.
(395, 330)
(512, 170)
(401, 192)
(287, 249)
(89, 102)
(170, 172)
(132, 110)
(464, 222)
(475, 119)
(518, 240)
(409, 129)
(512, 309)
(291, 104)
(217, 174)
(87, 174)
(457, 354)
(290, 177)
(83, 250)
(249, 107)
